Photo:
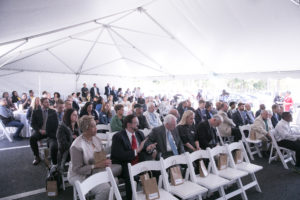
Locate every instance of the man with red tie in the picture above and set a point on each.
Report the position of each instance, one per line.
(128, 147)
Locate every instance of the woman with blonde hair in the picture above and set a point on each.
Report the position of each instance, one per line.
(35, 105)
(187, 131)
(83, 163)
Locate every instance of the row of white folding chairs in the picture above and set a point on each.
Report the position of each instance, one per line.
(194, 185)
(105, 127)
(252, 150)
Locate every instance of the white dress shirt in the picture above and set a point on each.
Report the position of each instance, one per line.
(130, 140)
(283, 131)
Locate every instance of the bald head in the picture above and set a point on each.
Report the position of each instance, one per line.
(174, 112)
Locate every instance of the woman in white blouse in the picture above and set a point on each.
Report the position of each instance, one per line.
(82, 157)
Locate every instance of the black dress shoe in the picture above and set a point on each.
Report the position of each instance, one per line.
(36, 161)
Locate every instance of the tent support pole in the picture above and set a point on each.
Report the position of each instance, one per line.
(98, 66)
(60, 60)
(171, 35)
(89, 52)
(18, 46)
(137, 49)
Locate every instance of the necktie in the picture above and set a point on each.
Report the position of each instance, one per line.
(267, 127)
(172, 144)
(134, 147)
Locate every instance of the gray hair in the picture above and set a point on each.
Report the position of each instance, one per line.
(169, 118)
(269, 112)
(85, 122)
(149, 104)
(218, 117)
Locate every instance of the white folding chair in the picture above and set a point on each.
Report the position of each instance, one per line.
(231, 174)
(212, 182)
(186, 190)
(247, 141)
(146, 131)
(245, 165)
(285, 155)
(7, 131)
(224, 139)
(64, 176)
(144, 167)
(97, 179)
(104, 127)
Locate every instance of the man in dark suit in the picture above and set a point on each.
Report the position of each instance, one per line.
(261, 107)
(206, 133)
(276, 116)
(128, 147)
(107, 90)
(94, 91)
(239, 117)
(199, 112)
(167, 138)
(249, 113)
(114, 93)
(84, 92)
(182, 106)
(207, 111)
(44, 123)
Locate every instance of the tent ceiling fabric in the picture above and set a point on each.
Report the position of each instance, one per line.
(163, 38)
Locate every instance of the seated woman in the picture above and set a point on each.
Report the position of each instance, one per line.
(67, 132)
(82, 158)
(35, 105)
(88, 110)
(99, 104)
(15, 97)
(105, 114)
(25, 101)
(117, 120)
(187, 131)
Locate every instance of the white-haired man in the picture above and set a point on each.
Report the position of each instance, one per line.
(152, 117)
(167, 138)
(206, 132)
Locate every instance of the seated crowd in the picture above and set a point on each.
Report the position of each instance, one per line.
(71, 130)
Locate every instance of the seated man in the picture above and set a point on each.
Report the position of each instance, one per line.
(287, 138)
(8, 120)
(44, 123)
(206, 133)
(138, 111)
(232, 109)
(261, 128)
(128, 147)
(167, 138)
(227, 127)
(152, 116)
(199, 112)
(249, 113)
(276, 116)
(261, 107)
(239, 117)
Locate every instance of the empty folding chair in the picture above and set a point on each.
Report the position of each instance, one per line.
(185, 190)
(247, 141)
(144, 167)
(229, 173)
(244, 164)
(96, 179)
(212, 181)
(285, 155)
(7, 131)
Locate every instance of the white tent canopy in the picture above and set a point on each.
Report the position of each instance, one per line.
(52, 43)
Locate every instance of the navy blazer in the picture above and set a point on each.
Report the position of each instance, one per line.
(237, 119)
(275, 120)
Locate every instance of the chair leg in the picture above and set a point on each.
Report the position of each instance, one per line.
(282, 160)
(271, 154)
(74, 193)
(240, 185)
(249, 150)
(199, 197)
(258, 151)
(222, 193)
(257, 187)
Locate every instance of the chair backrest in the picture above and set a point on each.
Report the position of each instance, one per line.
(170, 161)
(214, 152)
(141, 167)
(97, 179)
(103, 127)
(234, 146)
(146, 131)
(243, 128)
(219, 135)
(191, 157)
(274, 142)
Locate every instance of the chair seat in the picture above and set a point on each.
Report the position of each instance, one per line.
(211, 181)
(232, 174)
(187, 190)
(248, 167)
(253, 141)
(162, 194)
